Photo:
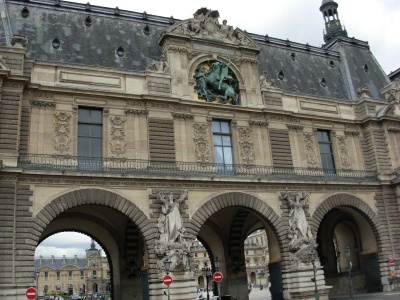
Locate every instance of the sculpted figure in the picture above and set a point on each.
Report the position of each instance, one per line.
(297, 217)
(173, 220)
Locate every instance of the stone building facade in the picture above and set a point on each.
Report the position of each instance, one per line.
(147, 133)
(73, 275)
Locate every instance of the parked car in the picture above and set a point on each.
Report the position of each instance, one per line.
(75, 297)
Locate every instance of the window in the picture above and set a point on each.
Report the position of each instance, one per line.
(325, 149)
(222, 137)
(69, 274)
(58, 275)
(94, 274)
(46, 275)
(82, 275)
(90, 130)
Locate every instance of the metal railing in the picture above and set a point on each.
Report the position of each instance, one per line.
(178, 168)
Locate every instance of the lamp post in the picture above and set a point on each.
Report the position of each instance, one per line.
(350, 268)
(260, 274)
(206, 273)
(167, 266)
(217, 263)
(37, 280)
(314, 256)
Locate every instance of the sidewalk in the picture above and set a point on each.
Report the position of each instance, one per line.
(370, 296)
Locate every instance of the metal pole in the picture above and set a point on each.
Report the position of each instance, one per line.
(168, 291)
(350, 280)
(208, 295)
(315, 281)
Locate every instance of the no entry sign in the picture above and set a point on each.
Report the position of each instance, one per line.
(217, 276)
(167, 280)
(31, 293)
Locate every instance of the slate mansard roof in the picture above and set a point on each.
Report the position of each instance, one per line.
(91, 35)
(59, 263)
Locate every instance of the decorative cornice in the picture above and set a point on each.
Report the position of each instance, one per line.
(294, 127)
(258, 123)
(182, 116)
(41, 103)
(137, 112)
(351, 132)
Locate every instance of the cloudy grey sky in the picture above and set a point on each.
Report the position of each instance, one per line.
(375, 21)
(65, 243)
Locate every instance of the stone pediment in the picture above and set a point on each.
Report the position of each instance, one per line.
(205, 25)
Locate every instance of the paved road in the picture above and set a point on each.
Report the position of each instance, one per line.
(257, 294)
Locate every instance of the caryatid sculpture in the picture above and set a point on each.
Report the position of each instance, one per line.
(172, 243)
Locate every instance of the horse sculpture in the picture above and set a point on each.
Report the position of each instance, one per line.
(216, 83)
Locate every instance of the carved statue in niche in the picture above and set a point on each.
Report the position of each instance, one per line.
(301, 238)
(172, 242)
(215, 80)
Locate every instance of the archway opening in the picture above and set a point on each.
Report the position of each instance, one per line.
(67, 262)
(225, 234)
(346, 240)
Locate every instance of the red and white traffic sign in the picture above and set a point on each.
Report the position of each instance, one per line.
(31, 293)
(391, 263)
(167, 280)
(217, 277)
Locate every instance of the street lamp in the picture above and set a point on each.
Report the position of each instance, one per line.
(314, 256)
(350, 268)
(167, 266)
(217, 263)
(206, 273)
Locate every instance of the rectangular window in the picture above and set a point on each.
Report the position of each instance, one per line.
(58, 275)
(46, 275)
(326, 152)
(90, 138)
(69, 274)
(94, 274)
(223, 150)
(82, 275)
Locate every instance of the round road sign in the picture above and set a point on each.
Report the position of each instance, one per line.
(217, 276)
(391, 263)
(31, 293)
(167, 280)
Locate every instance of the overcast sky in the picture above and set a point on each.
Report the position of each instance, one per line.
(65, 243)
(375, 21)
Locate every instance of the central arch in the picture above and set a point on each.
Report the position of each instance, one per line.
(224, 221)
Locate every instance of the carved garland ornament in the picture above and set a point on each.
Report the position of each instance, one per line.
(344, 153)
(201, 143)
(62, 132)
(246, 145)
(310, 150)
(117, 141)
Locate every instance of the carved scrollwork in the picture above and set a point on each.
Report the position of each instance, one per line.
(311, 155)
(246, 145)
(343, 153)
(201, 143)
(62, 132)
(117, 140)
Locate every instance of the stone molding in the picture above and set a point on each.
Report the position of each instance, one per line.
(43, 104)
(258, 123)
(246, 145)
(117, 136)
(137, 112)
(344, 156)
(294, 127)
(201, 142)
(311, 155)
(182, 116)
(62, 132)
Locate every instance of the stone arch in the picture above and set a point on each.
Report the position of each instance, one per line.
(95, 197)
(237, 199)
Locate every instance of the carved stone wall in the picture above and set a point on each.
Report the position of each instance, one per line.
(344, 156)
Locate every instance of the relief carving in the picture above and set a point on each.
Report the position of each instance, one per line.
(246, 145)
(62, 132)
(117, 132)
(173, 243)
(343, 153)
(201, 143)
(311, 155)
